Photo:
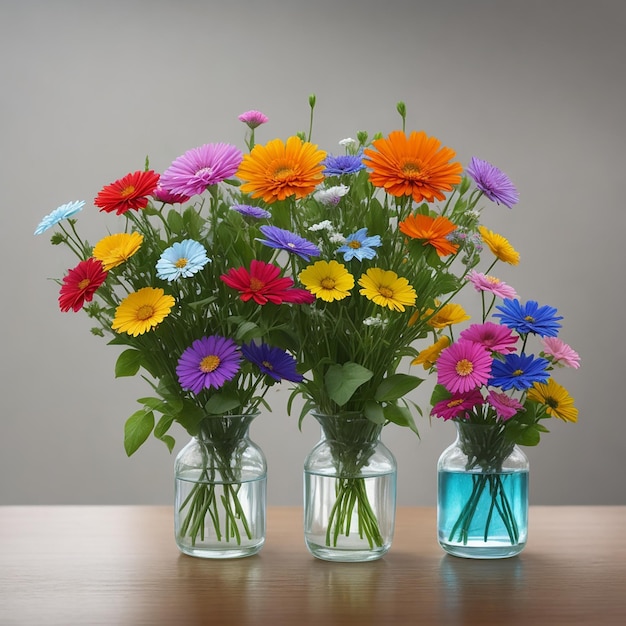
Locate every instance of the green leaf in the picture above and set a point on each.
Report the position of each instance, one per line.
(161, 428)
(374, 412)
(401, 416)
(247, 331)
(221, 403)
(396, 386)
(137, 429)
(342, 381)
(439, 394)
(128, 363)
(175, 222)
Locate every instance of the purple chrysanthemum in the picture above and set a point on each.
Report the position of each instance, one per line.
(493, 337)
(208, 362)
(463, 366)
(282, 239)
(272, 361)
(253, 118)
(457, 405)
(493, 182)
(198, 168)
(251, 211)
(342, 164)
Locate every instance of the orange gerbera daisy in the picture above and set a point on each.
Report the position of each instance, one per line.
(415, 166)
(431, 230)
(277, 170)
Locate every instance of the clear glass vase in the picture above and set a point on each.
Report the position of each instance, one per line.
(482, 500)
(220, 492)
(349, 491)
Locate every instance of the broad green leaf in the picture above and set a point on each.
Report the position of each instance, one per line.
(137, 429)
(247, 330)
(175, 222)
(128, 363)
(401, 416)
(221, 403)
(163, 425)
(374, 412)
(396, 386)
(342, 381)
(439, 394)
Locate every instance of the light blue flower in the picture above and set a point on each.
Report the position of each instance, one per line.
(182, 259)
(62, 213)
(359, 245)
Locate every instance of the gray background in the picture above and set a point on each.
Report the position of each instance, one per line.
(89, 88)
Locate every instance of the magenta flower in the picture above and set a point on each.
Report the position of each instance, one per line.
(463, 366)
(165, 195)
(493, 182)
(561, 353)
(253, 118)
(483, 282)
(198, 168)
(457, 405)
(505, 406)
(491, 336)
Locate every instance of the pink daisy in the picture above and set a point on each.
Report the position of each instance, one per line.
(483, 282)
(456, 405)
(561, 353)
(463, 366)
(253, 118)
(165, 195)
(493, 337)
(505, 406)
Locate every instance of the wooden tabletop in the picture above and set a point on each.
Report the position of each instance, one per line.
(119, 565)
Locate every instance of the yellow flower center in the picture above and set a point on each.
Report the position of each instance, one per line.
(385, 292)
(355, 245)
(464, 367)
(283, 173)
(181, 263)
(411, 170)
(209, 363)
(529, 318)
(493, 280)
(127, 191)
(267, 365)
(256, 284)
(84, 283)
(454, 403)
(145, 312)
(327, 283)
(518, 372)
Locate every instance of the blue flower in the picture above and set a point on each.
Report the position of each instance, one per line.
(182, 259)
(251, 211)
(272, 361)
(529, 318)
(518, 371)
(342, 164)
(359, 245)
(62, 213)
(286, 240)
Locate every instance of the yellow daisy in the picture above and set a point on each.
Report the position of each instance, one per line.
(428, 357)
(116, 249)
(447, 315)
(327, 280)
(386, 288)
(142, 311)
(556, 398)
(500, 246)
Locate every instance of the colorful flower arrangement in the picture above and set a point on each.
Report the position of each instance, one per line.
(233, 271)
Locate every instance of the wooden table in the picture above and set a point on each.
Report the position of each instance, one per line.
(118, 565)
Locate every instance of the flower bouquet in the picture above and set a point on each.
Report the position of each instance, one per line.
(498, 394)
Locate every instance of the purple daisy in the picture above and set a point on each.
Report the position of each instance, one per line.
(208, 362)
(505, 406)
(493, 182)
(457, 405)
(463, 366)
(198, 168)
(282, 239)
(253, 118)
(342, 164)
(493, 337)
(251, 211)
(272, 361)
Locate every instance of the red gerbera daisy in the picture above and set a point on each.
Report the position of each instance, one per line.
(80, 284)
(262, 283)
(127, 193)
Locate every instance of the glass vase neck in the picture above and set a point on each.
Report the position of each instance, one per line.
(485, 445)
(348, 428)
(225, 427)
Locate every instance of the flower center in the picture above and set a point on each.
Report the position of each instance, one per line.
(145, 312)
(464, 367)
(267, 365)
(127, 191)
(385, 292)
(553, 403)
(209, 363)
(256, 284)
(529, 318)
(84, 283)
(454, 403)
(283, 172)
(205, 173)
(493, 280)
(355, 244)
(181, 263)
(327, 283)
(412, 170)
(518, 372)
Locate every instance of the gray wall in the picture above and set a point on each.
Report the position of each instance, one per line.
(89, 88)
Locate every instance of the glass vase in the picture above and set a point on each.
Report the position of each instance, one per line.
(482, 500)
(349, 491)
(220, 492)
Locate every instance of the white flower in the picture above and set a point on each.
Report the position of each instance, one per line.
(337, 238)
(374, 321)
(332, 195)
(348, 141)
(323, 225)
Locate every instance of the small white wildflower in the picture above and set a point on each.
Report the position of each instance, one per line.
(473, 213)
(332, 195)
(323, 225)
(374, 321)
(337, 238)
(348, 141)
